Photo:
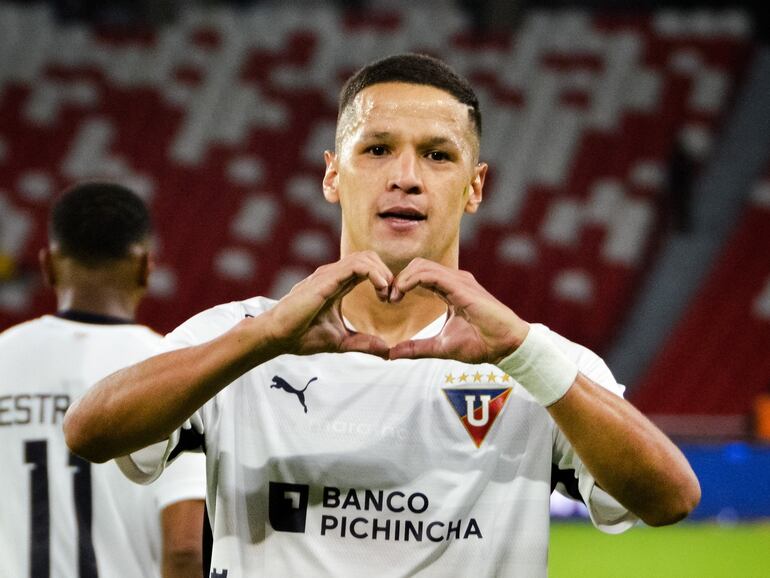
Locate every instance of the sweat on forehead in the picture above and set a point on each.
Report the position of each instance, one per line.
(417, 69)
(418, 108)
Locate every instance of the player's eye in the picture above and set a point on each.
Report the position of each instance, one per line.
(377, 150)
(438, 156)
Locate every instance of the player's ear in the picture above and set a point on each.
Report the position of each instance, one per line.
(331, 178)
(476, 188)
(145, 266)
(46, 267)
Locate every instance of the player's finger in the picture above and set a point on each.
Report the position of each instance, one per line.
(438, 281)
(364, 343)
(378, 281)
(381, 281)
(416, 349)
(338, 279)
(369, 265)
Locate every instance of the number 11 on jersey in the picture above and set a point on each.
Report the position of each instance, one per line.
(36, 454)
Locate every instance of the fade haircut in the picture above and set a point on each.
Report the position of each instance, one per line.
(413, 68)
(98, 222)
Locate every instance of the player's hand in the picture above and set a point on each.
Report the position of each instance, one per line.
(309, 318)
(479, 329)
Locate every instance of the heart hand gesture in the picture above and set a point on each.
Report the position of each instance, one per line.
(479, 329)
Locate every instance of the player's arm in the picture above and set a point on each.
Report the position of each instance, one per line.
(145, 403)
(629, 457)
(182, 530)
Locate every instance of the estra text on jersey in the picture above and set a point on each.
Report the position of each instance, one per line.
(33, 408)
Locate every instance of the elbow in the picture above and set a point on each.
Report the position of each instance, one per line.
(679, 503)
(79, 440)
(183, 561)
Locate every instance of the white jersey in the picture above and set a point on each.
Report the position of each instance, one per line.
(350, 465)
(61, 515)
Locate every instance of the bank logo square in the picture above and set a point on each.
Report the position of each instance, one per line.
(287, 508)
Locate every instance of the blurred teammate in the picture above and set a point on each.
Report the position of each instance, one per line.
(62, 516)
(389, 417)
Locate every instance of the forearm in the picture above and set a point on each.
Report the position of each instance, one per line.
(146, 402)
(629, 457)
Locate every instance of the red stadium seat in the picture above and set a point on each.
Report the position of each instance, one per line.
(716, 361)
(221, 118)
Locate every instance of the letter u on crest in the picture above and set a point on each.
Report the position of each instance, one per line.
(470, 413)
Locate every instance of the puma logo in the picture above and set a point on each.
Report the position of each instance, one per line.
(281, 383)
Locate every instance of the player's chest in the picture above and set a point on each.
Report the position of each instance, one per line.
(329, 404)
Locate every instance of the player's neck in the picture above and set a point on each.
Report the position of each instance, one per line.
(111, 303)
(393, 322)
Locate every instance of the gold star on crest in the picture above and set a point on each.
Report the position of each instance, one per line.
(491, 377)
(506, 378)
(477, 377)
(449, 378)
(463, 377)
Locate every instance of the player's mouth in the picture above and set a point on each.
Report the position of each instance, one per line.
(402, 216)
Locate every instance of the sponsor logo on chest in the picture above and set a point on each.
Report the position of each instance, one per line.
(475, 397)
(365, 514)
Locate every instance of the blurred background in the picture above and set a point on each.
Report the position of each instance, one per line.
(627, 206)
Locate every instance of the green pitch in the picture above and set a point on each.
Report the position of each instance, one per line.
(686, 550)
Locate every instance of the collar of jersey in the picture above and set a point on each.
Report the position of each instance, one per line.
(93, 318)
(432, 329)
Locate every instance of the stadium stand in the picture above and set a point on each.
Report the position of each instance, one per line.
(716, 358)
(220, 117)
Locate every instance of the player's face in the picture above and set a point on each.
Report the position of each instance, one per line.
(404, 173)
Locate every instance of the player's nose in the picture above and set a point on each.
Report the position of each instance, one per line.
(405, 173)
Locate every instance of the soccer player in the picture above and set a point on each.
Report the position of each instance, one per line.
(62, 516)
(388, 416)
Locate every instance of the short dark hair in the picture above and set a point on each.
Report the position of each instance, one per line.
(413, 69)
(98, 222)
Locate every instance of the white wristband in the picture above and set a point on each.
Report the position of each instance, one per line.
(540, 367)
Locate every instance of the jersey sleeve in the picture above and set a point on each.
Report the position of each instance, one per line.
(185, 479)
(146, 465)
(569, 476)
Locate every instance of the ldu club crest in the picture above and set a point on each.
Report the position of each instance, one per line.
(478, 409)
